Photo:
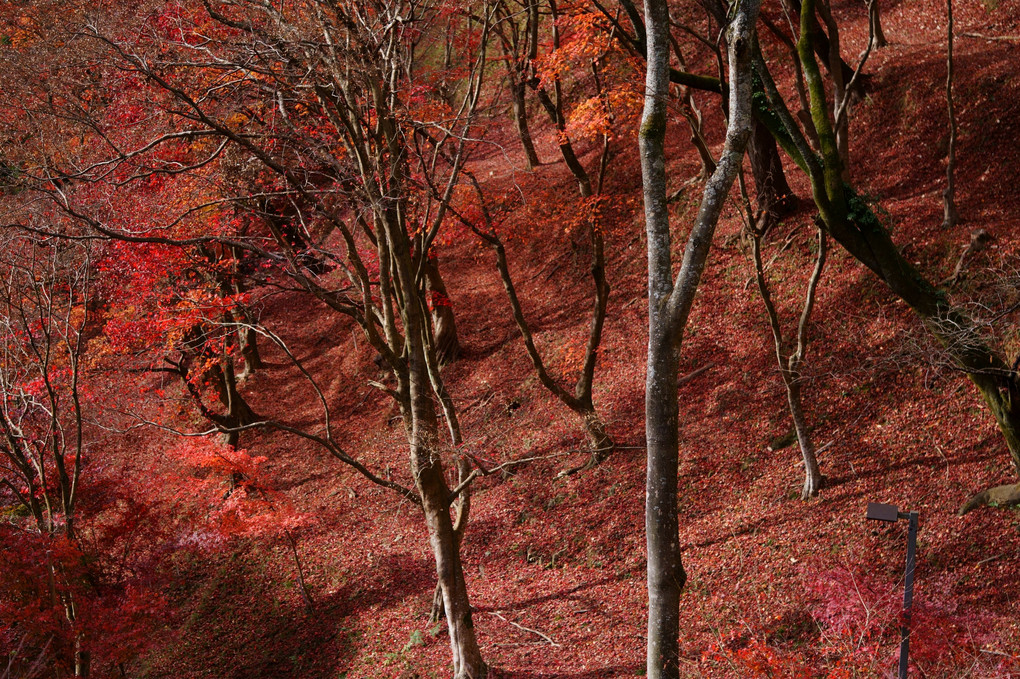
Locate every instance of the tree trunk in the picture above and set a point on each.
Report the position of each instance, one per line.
(851, 222)
(521, 119)
(999, 496)
(239, 413)
(581, 400)
(669, 306)
(875, 19)
(599, 440)
(444, 326)
(460, 520)
(427, 468)
(812, 474)
(82, 658)
(950, 216)
(247, 338)
(774, 196)
(789, 364)
(428, 473)
(822, 48)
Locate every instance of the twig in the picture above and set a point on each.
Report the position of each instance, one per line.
(782, 248)
(526, 629)
(991, 652)
(691, 375)
(481, 471)
(1003, 38)
(991, 558)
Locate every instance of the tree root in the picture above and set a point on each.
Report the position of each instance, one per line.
(999, 496)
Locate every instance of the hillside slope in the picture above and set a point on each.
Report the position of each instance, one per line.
(555, 565)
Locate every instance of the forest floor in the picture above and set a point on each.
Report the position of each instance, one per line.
(555, 566)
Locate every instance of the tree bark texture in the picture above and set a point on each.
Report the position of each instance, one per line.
(774, 195)
(669, 306)
(444, 325)
(427, 468)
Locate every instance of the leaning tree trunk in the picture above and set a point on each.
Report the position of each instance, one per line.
(669, 306)
(823, 48)
(852, 223)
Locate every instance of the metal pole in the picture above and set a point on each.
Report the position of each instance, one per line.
(908, 593)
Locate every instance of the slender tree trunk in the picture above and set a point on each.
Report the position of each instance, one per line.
(428, 473)
(521, 119)
(82, 658)
(689, 110)
(581, 400)
(875, 19)
(305, 595)
(812, 474)
(669, 306)
(950, 216)
(693, 117)
(789, 364)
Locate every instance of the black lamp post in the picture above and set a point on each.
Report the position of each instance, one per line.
(880, 512)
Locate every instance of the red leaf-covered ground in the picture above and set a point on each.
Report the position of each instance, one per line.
(555, 566)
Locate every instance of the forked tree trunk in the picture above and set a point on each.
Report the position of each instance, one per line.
(427, 468)
(461, 515)
(669, 306)
(428, 473)
(790, 363)
(823, 48)
(221, 379)
(580, 401)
